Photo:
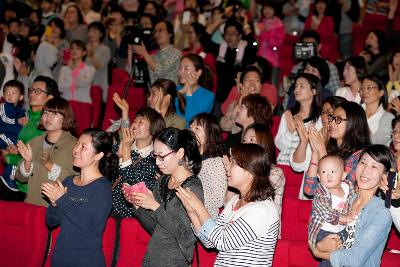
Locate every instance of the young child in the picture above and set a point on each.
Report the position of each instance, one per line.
(12, 118)
(330, 207)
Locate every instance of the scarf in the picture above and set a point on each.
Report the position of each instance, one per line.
(75, 74)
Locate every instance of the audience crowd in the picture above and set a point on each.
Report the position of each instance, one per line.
(237, 91)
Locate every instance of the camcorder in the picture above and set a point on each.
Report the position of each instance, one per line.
(304, 51)
(136, 36)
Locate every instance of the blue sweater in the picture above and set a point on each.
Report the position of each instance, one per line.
(371, 233)
(82, 214)
(202, 100)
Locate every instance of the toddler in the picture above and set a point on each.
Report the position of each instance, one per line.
(329, 214)
(12, 118)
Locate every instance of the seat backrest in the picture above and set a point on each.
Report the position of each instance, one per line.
(132, 243)
(119, 77)
(23, 234)
(295, 216)
(206, 256)
(96, 95)
(291, 253)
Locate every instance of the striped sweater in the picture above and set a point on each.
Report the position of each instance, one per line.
(244, 237)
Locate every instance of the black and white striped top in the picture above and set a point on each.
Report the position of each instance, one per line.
(244, 237)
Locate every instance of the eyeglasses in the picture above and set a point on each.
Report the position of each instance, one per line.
(36, 91)
(368, 88)
(337, 119)
(159, 157)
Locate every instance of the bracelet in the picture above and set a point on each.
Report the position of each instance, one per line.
(314, 162)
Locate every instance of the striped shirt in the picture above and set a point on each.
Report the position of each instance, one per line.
(244, 237)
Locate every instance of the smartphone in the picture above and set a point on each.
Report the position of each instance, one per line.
(136, 188)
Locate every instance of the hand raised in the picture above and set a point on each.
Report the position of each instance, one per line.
(25, 151)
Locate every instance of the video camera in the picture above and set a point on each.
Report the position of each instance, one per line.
(304, 51)
(136, 35)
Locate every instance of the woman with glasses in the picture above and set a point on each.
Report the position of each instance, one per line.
(135, 151)
(328, 107)
(47, 158)
(178, 157)
(375, 99)
(165, 62)
(349, 134)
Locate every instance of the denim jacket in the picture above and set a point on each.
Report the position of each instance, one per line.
(371, 233)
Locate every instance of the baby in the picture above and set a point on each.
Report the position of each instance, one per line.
(12, 118)
(330, 207)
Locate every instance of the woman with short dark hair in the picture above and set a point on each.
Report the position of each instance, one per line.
(135, 152)
(47, 158)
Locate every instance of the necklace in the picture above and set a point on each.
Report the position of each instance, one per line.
(48, 142)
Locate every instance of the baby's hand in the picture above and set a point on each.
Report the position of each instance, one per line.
(346, 219)
(23, 121)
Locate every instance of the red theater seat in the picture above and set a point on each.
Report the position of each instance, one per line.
(133, 243)
(96, 95)
(119, 77)
(23, 234)
(290, 253)
(295, 216)
(207, 256)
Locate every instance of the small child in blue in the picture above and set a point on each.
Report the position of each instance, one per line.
(11, 122)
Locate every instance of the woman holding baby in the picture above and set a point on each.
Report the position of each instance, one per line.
(368, 231)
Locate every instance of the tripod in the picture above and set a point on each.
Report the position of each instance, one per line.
(139, 72)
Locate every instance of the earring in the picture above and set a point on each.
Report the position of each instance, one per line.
(180, 162)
